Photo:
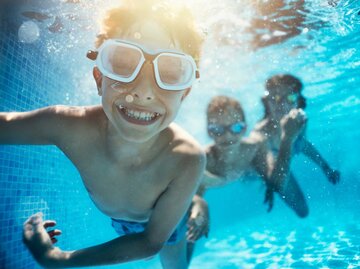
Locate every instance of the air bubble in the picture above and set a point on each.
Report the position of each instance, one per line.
(129, 98)
(28, 32)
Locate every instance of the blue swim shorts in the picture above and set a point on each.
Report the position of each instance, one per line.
(124, 227)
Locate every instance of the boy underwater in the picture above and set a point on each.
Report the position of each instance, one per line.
(139, 168)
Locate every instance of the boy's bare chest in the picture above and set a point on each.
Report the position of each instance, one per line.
(231, 165)
(124, 192)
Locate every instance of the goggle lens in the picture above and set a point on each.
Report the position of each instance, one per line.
(236, 128)
(216, 130)
(291, 98)
(122, 61)
(174, 70)
(219, 130)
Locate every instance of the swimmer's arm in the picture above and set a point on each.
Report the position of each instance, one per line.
(274, 172)
(291, 126)
(281, 167)
(309, 150)
(167, 213)
(211, 180)
(263, 161)
(38, 127)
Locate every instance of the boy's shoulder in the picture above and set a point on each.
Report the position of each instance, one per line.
(182, 142)
(75, 111)
(73, 123)
(77, 115)
(183, 152)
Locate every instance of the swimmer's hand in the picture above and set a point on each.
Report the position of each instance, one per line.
(333, 175)
(293, 123)
(40, 242)
(198, 222)
(269, 196)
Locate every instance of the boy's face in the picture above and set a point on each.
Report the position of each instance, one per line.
(226, 127)
(281, 100)
(140, 109)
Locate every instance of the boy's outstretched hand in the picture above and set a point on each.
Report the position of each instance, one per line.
(40, 242)
(198, 222)
(269, 197)
(333, 175)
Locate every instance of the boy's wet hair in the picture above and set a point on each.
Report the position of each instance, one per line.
(283, 79)
(178, 22)
(221, 103)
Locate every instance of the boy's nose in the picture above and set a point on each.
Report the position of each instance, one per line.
(143, 93)
(144, 90)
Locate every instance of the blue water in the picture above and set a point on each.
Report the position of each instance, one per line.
(45, 64)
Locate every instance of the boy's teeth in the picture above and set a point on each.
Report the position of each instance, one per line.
(146, 116)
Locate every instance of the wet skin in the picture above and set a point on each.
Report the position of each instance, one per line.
(126, 164)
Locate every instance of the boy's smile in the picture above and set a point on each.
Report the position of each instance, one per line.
(138, 116)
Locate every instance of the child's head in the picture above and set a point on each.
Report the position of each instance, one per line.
(283, 93)
(226, 120)
(145, 66)
(177, 22)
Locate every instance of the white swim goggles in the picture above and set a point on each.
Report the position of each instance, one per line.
(122, 61)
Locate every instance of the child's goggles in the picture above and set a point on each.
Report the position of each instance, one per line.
(219, 129)
(291, 98)
(122, 61)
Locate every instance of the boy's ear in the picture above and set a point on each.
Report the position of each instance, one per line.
(186, 93)
(98, 79)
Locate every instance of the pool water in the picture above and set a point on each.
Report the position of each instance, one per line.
(42, 62)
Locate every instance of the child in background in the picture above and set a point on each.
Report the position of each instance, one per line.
(282, 99)
(233, 156)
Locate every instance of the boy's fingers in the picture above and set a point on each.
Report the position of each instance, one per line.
(27, 230)
(53, 233)
(194, 234)
(49, 223)
(54, 240)
(190, 228)
(33, 218)
(31, 223)
(190, 222)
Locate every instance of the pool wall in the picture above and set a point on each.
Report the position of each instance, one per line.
(38, 178)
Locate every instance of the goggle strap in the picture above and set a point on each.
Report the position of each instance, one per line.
(92, 55)
(197, 74)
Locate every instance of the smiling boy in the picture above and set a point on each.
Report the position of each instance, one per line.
(140, 169)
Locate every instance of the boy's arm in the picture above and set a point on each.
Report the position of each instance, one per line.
(167, 213)
(42, 126)
(264, 163)
(291, 126)
(276, 172)
(309, 150)
(211, 180)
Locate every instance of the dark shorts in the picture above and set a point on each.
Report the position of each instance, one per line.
(124, 227)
